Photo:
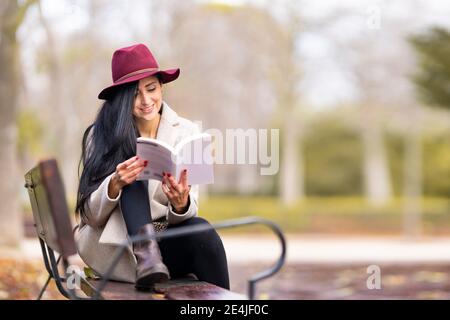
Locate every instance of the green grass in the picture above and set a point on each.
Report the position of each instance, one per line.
(329, 214)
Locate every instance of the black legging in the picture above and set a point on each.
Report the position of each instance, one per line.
(199, 253)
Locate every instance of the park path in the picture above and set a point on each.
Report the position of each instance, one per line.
(309, 249)
(320, 249)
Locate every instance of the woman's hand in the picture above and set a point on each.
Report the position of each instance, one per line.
(177, 193)
(126, 173)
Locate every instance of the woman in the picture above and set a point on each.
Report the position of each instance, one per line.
(114, 206)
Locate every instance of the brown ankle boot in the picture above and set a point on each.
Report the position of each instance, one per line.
(150, 269)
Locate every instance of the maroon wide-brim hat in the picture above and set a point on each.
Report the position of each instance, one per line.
(134, 63)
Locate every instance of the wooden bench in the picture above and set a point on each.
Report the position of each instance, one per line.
(54, 230)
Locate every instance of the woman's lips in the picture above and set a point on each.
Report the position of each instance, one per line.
(147, 110)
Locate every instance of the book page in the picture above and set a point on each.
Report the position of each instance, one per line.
(159, 156)
(196, 155)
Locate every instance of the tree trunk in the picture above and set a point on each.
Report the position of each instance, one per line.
(292, 176)
(10, 216)
(291, 164)
(412, 188)
(64, 118)
(377, 180)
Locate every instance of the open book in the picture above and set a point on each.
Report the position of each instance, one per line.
(194, 153)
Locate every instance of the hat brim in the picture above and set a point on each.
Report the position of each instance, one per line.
(165, 76)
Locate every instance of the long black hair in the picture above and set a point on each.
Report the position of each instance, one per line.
(112, 141)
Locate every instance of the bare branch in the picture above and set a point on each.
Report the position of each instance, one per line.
(22, 11)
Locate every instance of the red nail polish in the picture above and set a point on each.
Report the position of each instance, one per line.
(145, 162)
(164, 174)
(185, 170)
(169, 175)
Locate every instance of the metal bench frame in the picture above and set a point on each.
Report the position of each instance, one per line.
(49, 168)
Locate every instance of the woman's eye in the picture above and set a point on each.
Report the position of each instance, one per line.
(151, 89)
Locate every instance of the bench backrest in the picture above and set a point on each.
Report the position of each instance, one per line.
(49, 206)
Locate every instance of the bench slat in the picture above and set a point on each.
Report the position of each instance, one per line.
(179, 289)
(195, 290)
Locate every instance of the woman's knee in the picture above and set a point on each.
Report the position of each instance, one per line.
(136, 186)
(194, 221)
(208, 238)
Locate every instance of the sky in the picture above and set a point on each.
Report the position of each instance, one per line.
(325, 81)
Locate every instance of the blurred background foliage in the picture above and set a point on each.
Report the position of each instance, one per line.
(333, 157)
(362, 110)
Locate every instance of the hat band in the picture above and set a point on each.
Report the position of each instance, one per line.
(136, 73)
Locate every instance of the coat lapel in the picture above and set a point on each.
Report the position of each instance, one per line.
(167, 132)
(167, 126)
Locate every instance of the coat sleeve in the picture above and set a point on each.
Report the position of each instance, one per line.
(173, 217)
(99, 206)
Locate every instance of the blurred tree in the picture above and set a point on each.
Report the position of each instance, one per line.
(370, 68)
(436, 165)
(379, 64)
(70, 100)
(12, 14)
(63, 119)
(381, 72)
(333, 157)
(30, 133)
(287, 78)
(432, 83)
(230, 76)
(433, 77)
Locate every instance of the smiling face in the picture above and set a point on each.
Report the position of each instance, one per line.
(147, 99)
